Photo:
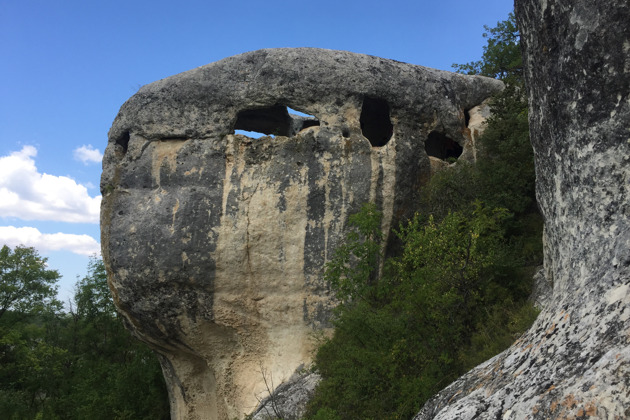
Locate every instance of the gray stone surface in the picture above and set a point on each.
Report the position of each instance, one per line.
(289, 400)
(575, 360)
(542, 289)
(215, 242)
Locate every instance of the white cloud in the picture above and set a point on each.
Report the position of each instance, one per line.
(29, 236)
(27, 194)
(88, 154)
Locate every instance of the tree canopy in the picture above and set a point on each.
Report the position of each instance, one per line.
(27, 286)
(501, 58)
(76, 364)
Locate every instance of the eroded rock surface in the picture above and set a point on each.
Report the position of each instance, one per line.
(575, 361)
(288, 401)
(215, 242)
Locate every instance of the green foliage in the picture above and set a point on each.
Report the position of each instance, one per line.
(457, 292)
(30, 368)
(77, 365)
(113, 375)
(27, 303)
(502, 324)
(504, 175)
(501, 58)
(26, 285)
(411, 332)
(354, 267)
(92, 295)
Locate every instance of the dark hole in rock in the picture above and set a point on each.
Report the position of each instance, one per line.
(301, 120)
(123, 141)
(273, 120)
(375, 122)
(466, 117)
(309, 123)
(276, 120)
(442, 147)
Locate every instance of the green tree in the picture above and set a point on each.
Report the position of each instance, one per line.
(354, 268)
(110, 374)
(501, 58)
(92, 297)
(26, 285)
(29, 364)
(504, 174)
(78, 365)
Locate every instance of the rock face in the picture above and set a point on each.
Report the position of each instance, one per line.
(289, 400)
(215, 242)
(575, 361)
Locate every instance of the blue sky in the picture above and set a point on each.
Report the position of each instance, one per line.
(66, 67)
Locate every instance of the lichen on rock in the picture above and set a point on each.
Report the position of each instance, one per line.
(215, 242)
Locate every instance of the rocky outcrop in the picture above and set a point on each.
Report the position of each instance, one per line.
(215, 242)
(575, 360)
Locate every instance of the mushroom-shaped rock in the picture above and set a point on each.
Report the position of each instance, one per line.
(215, 242)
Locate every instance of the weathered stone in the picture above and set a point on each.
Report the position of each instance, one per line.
(575, 360)
(289, 400)
(542, 289)
(477, 117)
(215, 242)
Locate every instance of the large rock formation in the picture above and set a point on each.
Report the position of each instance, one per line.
(215, 242)
(575, 361)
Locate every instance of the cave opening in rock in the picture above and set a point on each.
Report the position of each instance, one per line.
(276, 120)
(301, 120)
(123, 141)
(442, 147)
(376, 125)
(273, 120)
(466, 117)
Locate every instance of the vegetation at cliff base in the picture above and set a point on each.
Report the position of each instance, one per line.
(74, 364)
(457, 293)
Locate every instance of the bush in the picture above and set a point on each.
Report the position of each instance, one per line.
(400, 339)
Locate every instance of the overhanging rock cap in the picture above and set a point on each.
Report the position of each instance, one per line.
(204, 102)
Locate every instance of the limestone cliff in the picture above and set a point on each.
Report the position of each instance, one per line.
(575, 361)
(215, 242)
